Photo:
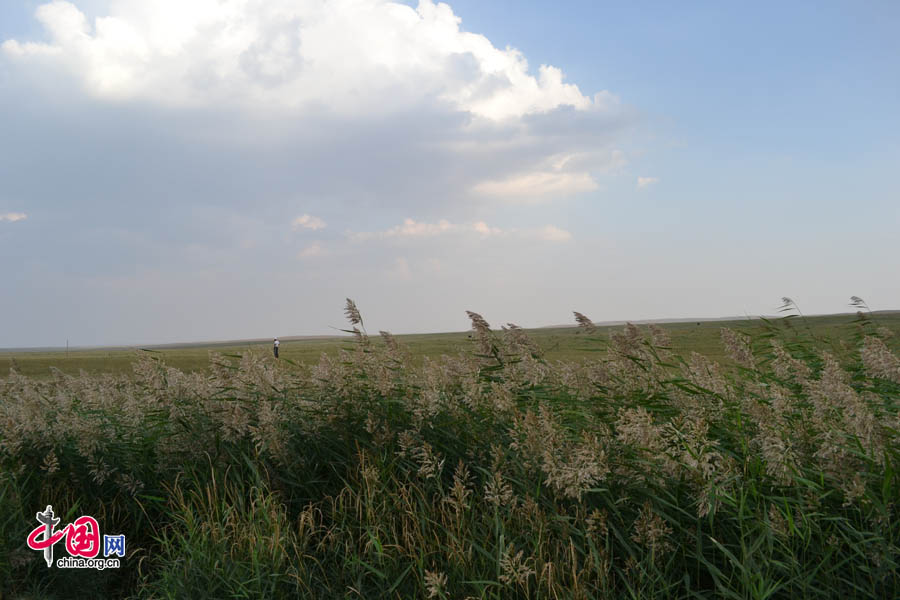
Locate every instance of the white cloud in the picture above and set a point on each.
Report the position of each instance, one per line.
(351, 56)
(411, 228)
(307, 222)
(485, 230)
(13, 216)
(312, 251)
(643, 182)
(554, 176)
(537, 184)
(324, 81)
(418, 230)
(362, 108)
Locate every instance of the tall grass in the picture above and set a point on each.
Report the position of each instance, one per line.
(491, 474)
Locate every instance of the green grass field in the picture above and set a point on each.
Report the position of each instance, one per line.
(558, 344)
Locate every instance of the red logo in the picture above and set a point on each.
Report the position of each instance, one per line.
(82, 537)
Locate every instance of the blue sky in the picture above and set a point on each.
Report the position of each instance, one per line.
(210, 170)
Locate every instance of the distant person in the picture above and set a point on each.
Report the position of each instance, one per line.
(275, 347)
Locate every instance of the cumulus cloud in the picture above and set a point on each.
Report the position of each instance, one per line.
(418, 230)
(310, 85)
(307, 222)
(13, 216)
(554, 176)
(189, 131)
(645, 182)
(346, 55)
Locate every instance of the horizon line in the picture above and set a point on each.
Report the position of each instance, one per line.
(291, 338)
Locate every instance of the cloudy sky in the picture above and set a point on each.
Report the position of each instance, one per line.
(212, 169)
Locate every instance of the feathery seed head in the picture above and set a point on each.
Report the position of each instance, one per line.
(857, 301)
(584, 323)
(737, 346)
(478, 323)
(514, 569)
(435, 584)
(352, 313)
(651, 530)
(879, 361)
(389, 340)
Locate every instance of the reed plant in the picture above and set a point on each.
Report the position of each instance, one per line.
(494, 473)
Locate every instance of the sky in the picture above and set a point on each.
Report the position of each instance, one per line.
(225, 169)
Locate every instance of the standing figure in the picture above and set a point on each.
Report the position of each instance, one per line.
(275, 347)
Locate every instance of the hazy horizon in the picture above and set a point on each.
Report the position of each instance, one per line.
(177, 172)
(338, 332)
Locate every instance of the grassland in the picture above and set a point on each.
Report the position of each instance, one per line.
(562, 343)
(618, 469)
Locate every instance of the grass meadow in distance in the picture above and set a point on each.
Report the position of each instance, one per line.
(612, 464)
(563, 343)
